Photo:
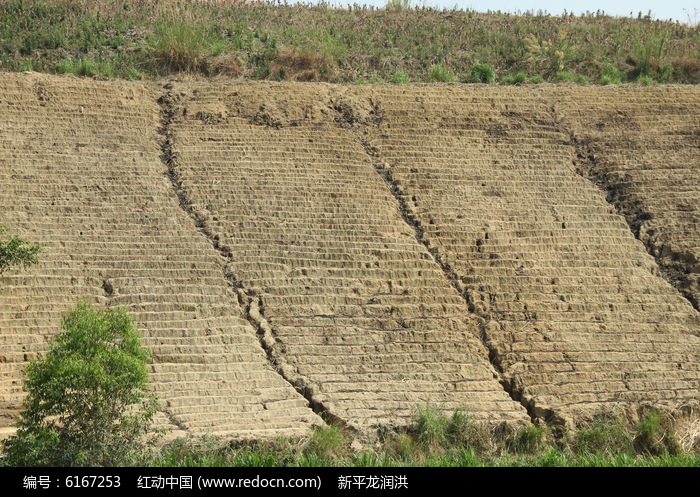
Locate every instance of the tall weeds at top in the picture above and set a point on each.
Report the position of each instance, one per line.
(398, 4)
(158, 38)
(180, 46)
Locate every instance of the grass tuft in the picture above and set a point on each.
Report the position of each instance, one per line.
(481, 73)
(440, 73)
(180, 46)
(655, 435)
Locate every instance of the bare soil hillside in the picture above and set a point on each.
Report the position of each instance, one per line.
(81, 174)
(579, 315)
(643, 148)
(293, 249)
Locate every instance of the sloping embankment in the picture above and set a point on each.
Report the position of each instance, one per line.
(291, 248)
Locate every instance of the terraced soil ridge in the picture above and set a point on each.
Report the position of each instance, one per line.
(580, 316)
(360, 251)
(656, 187)
(81, 173)
(359, 309)
(414, 222)
(251, 304)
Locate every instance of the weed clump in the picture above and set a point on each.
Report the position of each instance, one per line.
(605, 433)
(655, 435)
(326, 443)
(400, 78)
(434, 433)
(481, 73)
(610, 75)
(180, 46)
(518, 79)
(17, 251)
(440, 73)
(568, 77)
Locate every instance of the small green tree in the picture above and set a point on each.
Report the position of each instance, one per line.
(16, 252)
(87, 403)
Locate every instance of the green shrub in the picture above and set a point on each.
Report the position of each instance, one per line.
(79, 67)
(263, 53)
(326, 442)
(441, 74)
(430, 428)
(530, 439)
(434, 432)
(465, 433)
(664, 73)
(66, 66)
(17, 251)
(516, 79)
(133, 73)
(610, 75)
(87, 403)
(646, 81)
(648, 55)
(568, 77)
(400, 77)
(481, 73)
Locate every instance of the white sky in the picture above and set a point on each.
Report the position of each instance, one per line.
(677, 10)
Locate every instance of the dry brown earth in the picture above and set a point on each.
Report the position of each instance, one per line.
(368, 248)
(643, 147)
(579, 314)
(81, 173)
(360, 314)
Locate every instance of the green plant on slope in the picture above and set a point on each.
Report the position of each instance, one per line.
(531, 439)
(568, 77)
(431, 428)
(441, 74)
(326, 442)
(87, 403)
(655, 435)
(610, 75)
(481, 73)
(16, 251)
(400, 78)
(605, 433)
(645, 81)
(180, 46)
(518, 79)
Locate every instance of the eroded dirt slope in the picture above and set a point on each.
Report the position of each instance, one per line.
(361, 251)
(81, 174)
(642, 146)
(359, 314)
(579, 315)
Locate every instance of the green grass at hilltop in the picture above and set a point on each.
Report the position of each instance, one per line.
(141, 39)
